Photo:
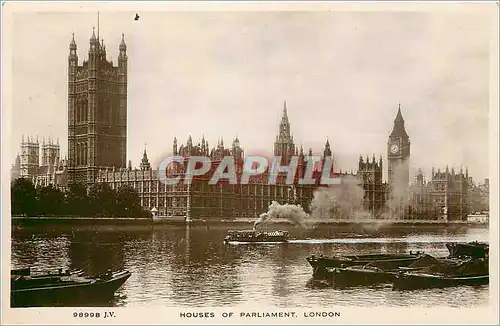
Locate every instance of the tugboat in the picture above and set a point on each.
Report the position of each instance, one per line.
(254, 236)
(31, 289)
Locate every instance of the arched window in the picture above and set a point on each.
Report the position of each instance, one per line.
(77, 154)
(81, 153)
(85, 154)
(80, 110)
(84, 117)
(112, 113)
(77, 111)
(85, 111)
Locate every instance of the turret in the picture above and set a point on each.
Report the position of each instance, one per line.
(72, 64)
(72, 49)
(94, 43)
(327, 152)
(145, 162)
(123, 49)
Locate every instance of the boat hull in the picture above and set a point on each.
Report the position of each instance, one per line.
(261, 240)
(471, 249)
(321, 265)
(253, 236)
(72, 294)
(359, 276)
(413, 281)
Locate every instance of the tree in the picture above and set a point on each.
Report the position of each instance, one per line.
(77, 201)
(128, 202)
(23, 197)
(102, 200)
(50, 201)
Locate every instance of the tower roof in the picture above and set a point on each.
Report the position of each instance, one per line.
(145, 162)
(284, 118)
(123, 46)
(399, 126)
(72, 45)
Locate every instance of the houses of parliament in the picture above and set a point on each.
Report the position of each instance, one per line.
(97, 139)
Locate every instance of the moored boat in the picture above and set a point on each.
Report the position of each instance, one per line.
(65, 289)
(376, 272)
(32, 273)
(412, 281)
(446, 273)
(255, 236)
(359, 275)
(471, 249)
(321, 264)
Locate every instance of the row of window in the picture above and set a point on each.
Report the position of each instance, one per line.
(81, 111)
(80, 153)
(265, 190)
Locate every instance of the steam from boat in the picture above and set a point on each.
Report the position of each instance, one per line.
(293, 213)
(260, 220)
(398, 200)
(344, 200)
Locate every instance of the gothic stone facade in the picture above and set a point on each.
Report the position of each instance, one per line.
(52, 170)
(224, 200)
(97, 111)
(202, 200)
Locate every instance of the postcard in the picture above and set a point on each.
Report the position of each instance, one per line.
(180, 163)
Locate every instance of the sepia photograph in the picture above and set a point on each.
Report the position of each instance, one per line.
(262, 163)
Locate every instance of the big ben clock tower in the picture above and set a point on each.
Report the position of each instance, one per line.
(398, 154)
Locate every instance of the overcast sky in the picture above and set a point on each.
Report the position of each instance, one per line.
(222, 74)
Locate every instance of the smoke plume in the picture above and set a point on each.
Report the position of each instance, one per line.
(344, 200)
(398, 200)
(293, 213)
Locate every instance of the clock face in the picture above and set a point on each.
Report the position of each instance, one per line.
(394, 149)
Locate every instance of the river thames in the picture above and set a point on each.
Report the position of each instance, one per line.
(179, 266)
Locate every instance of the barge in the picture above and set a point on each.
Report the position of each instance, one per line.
(322, 264)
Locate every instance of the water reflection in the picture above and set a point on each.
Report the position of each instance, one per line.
(190, 266)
